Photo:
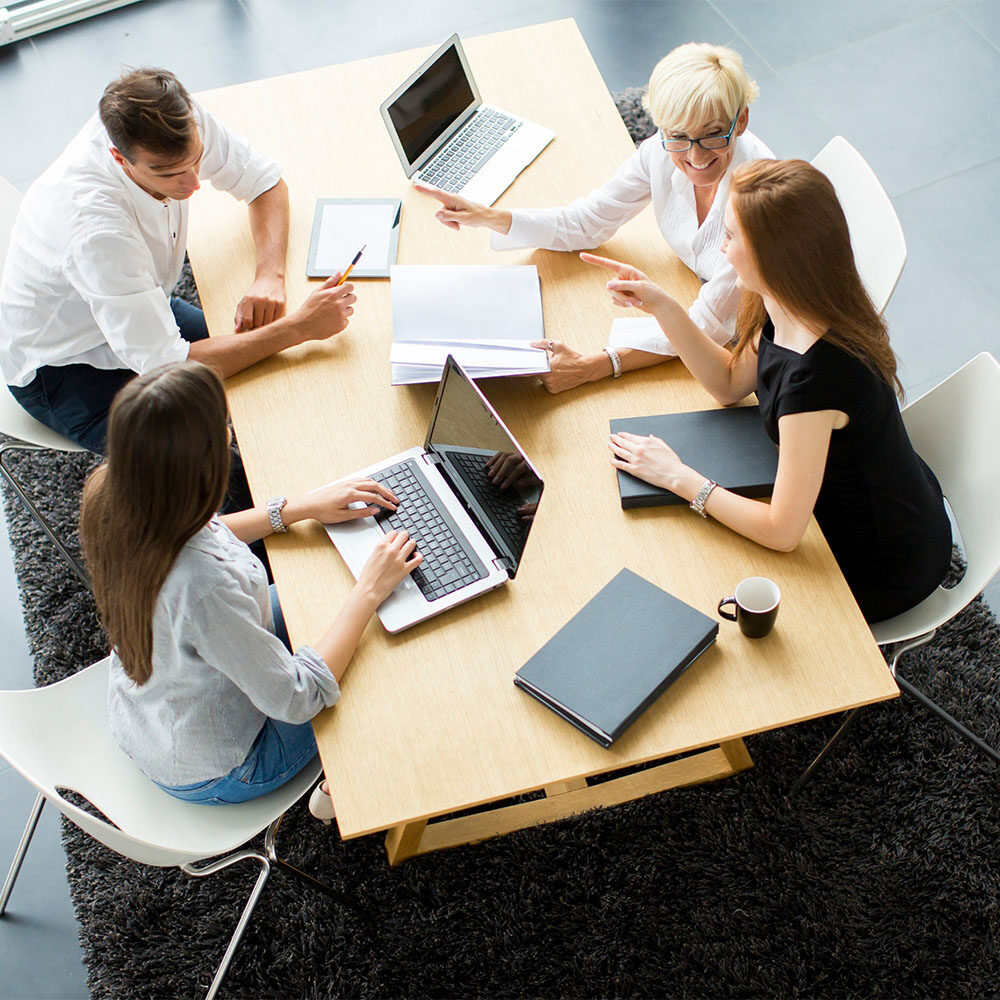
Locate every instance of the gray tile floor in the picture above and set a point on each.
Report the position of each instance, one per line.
(914, 84)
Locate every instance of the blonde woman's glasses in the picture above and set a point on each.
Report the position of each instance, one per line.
(680, 145)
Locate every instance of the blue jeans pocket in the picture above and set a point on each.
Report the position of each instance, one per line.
(199, 791)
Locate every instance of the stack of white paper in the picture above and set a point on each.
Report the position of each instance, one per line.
(484, 316)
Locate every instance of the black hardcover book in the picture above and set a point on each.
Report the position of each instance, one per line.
(600, 677)
(729, 446)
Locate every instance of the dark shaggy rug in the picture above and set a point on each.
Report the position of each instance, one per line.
(881, 879)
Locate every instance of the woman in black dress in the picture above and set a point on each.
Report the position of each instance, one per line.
(812, 346)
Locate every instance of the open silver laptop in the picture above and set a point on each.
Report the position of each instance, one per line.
(468, 498)
(445, 136)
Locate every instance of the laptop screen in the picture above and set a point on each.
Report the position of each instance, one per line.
(484, 465)
(431, 103)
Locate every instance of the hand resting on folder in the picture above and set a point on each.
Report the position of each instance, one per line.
(778, 525)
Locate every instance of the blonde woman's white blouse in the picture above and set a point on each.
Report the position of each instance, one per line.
(650, 176)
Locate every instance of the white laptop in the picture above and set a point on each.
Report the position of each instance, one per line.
(468, 498)
(446, 137)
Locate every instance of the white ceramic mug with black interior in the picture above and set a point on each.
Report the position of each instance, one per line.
(755, 601)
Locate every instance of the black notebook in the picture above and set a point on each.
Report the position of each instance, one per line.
(600, 676)
(729, 446)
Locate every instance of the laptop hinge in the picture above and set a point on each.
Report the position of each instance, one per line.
(430, 458)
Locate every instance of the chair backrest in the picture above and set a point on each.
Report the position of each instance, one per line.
(953, 428)
(58, 737)
(876, 235)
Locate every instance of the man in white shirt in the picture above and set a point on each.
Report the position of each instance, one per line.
(98, 245)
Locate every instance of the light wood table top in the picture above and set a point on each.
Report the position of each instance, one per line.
(429, 721)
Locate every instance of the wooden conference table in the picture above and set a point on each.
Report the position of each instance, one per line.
(429, 722)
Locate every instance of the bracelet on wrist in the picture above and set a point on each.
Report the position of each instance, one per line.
(616, 361)
(701, 497)
(274, 508)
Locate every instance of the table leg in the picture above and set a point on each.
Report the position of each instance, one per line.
(561, 787)
(566, 798)
(737, 754)
(403, 841)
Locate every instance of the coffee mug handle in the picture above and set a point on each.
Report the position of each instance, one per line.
(730, 616)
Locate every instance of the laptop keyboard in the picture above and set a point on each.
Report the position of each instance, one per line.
(481, 136)
(449, 562)
(501, 506)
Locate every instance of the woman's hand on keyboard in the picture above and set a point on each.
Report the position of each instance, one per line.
(456, 211)
(332, 504)
(394, 558)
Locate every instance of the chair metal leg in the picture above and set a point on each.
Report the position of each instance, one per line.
(7, 474)
(932, 706)
(852, 715)
(265, 862)
(807, 773)
(269, 845)
(234, 941)
(22, 850)
(905, 647)
(914, 692)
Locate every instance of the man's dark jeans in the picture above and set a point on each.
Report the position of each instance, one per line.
(74, 399)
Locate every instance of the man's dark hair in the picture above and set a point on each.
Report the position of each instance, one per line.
(148, 108)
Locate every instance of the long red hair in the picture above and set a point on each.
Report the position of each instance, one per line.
(797, 234)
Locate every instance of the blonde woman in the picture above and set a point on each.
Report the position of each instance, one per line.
(699, 98)
(817, 353)
(204, 694)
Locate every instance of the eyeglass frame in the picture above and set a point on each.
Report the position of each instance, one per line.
(727, 138)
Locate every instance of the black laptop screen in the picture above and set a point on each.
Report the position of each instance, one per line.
(431, 103)
(484, 465)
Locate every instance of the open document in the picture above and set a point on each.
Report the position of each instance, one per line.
(485, 316)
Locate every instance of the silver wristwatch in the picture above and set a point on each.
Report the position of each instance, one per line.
(274, 508)
(701, 498)
(616, 361)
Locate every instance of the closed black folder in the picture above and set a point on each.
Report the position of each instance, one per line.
(729, 446)
(600, 675)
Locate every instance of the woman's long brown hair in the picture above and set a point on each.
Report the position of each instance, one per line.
(165, 475)
(796, 231)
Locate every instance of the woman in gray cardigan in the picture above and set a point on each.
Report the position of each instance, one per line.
(204, 696)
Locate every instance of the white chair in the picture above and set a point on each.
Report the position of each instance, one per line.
(28, 433)
(953, 428)
(57, 737)
(876, 235)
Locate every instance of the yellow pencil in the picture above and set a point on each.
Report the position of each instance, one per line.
(350, 267)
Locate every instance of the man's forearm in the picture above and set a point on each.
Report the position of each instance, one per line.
(231, 353)
(269, 226)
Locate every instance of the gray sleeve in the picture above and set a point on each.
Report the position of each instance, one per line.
(227, 634)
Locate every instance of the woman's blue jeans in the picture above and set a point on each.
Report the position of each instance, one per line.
(280, 751)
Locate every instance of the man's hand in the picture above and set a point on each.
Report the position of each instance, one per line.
(456, 211)
(327, 311)
(570, 368)
(263, 303)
